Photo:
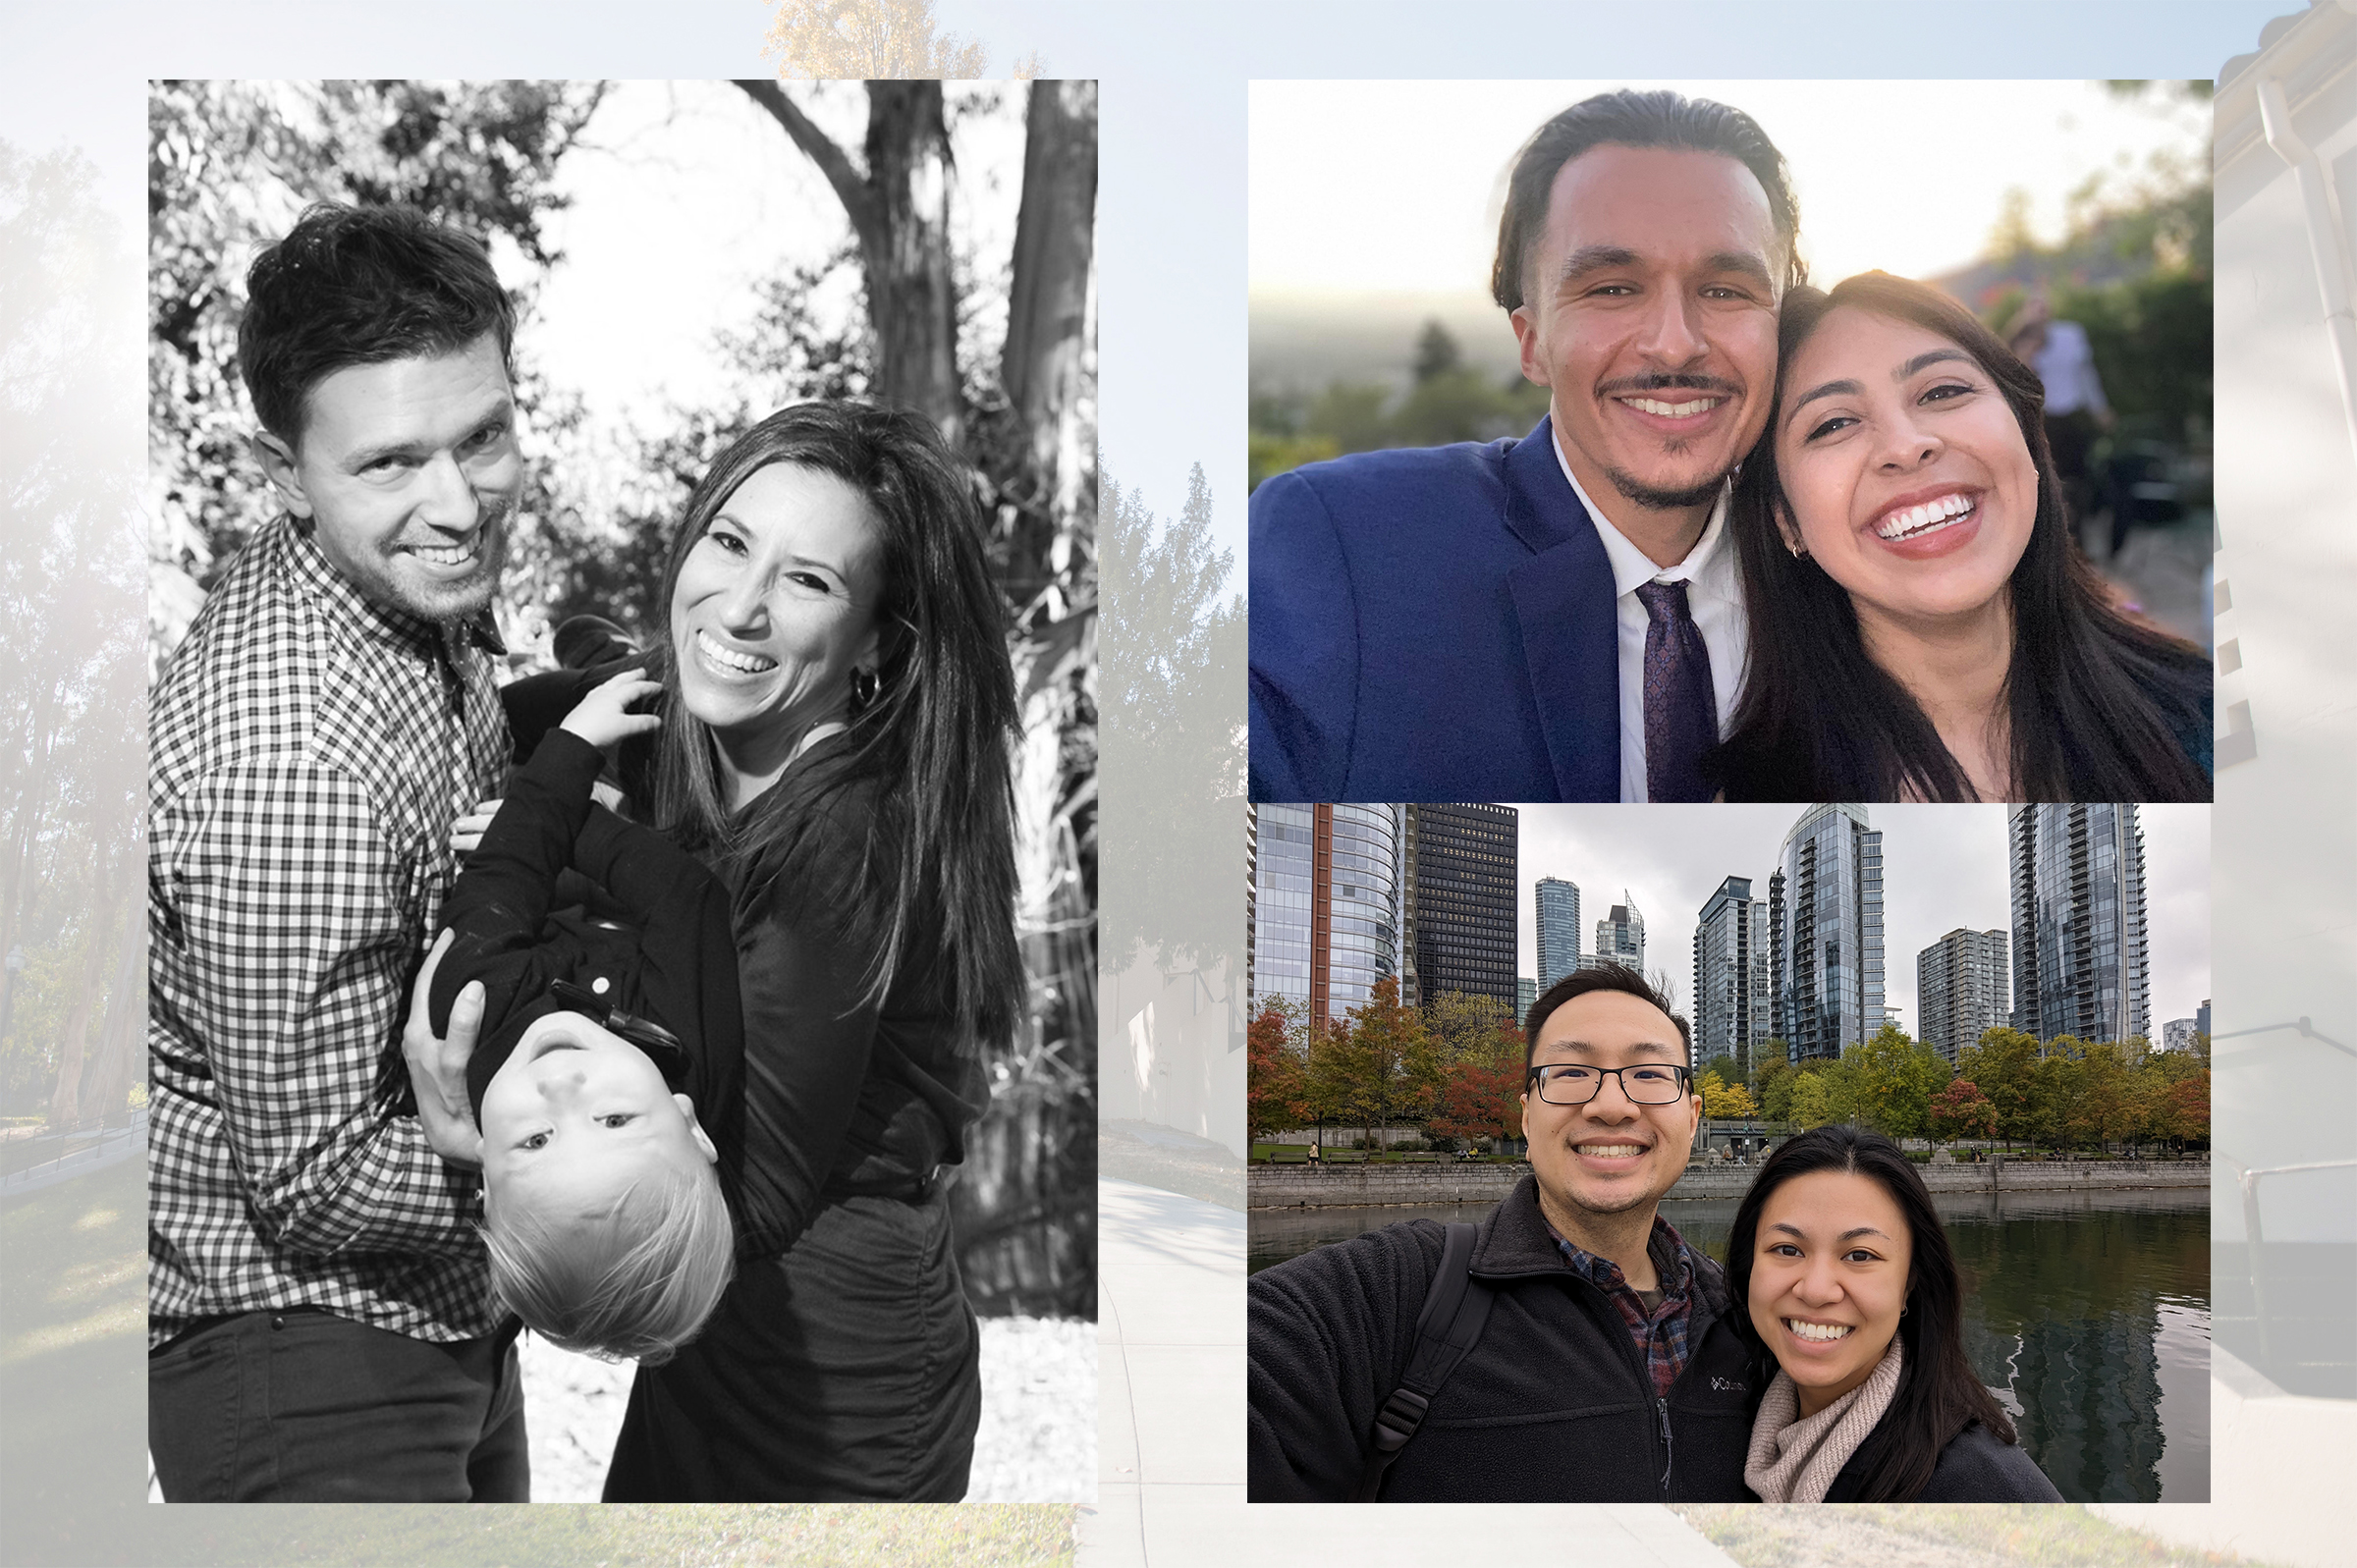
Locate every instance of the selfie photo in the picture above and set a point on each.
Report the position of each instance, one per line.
(1852, 1153)
(622, 791)
(1749, 441)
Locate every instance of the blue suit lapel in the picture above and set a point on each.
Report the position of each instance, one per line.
(1566, 618)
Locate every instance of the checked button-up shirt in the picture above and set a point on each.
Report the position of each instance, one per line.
(307, 753)
(1661, 1331)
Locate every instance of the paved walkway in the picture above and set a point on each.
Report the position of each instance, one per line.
(1171, 1432)
(120, 1144)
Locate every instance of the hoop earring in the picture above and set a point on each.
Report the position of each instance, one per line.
(864, 685)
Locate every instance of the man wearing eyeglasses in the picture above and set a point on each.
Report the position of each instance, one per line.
(1608, 1369)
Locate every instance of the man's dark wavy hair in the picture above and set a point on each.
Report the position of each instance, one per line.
(2094, 700)
(356, 286)
(1632, 119)
(1938, 1394)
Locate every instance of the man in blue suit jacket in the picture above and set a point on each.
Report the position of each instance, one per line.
(1480, 622)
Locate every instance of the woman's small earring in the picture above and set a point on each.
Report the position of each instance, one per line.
(1798, 554)
(863, 688)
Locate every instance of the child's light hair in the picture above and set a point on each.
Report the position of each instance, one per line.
(631, 1284)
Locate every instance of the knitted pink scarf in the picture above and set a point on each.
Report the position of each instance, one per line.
(1793, 1459)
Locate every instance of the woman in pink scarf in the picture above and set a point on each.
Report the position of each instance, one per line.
(1854, 1316)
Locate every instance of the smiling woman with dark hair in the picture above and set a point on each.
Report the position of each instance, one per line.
(1848, 1295)
(1923, 626)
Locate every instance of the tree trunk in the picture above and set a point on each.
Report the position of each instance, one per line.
(121, 1039)
(1046, 367)
(900, 211)
(911, 298)
(65, 1099)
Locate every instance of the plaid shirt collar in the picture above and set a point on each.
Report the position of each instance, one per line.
(1661, 1333)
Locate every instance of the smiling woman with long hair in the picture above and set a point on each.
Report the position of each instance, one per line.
(1922, 624)
(838, 710)
(1848, 1295)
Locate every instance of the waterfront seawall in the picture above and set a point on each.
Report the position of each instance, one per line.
(1363, 1186)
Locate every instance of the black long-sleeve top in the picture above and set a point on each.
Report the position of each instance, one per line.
(844, 1093)
(674, 961)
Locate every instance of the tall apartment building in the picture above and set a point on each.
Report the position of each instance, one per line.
(1621, 937)
(1731, 1008)
(1526, 992)
(1825, 933)
(1559, 929)
(1321, 903)
(1963, 987)
(2078, 921)
(2177, 1035)
(1461, 892)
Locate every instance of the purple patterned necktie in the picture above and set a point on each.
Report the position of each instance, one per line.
(1681, 711)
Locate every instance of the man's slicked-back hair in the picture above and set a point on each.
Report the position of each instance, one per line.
(1598, 977)
(1632, 119)
(356, 286)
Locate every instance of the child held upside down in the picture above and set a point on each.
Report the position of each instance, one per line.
(606, 1201)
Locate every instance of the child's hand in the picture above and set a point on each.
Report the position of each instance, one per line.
(467, 833)
(602, 718)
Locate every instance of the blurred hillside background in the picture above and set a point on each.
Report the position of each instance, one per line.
(1371, 323)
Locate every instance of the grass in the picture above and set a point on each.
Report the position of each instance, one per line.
(1934, 1536)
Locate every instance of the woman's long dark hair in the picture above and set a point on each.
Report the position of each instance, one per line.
(932, 748)
(1819, 721)
(1938, 1394)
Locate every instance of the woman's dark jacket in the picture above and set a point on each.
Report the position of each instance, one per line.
(1976, 1465)
(843, 1364)
(1553, 1405)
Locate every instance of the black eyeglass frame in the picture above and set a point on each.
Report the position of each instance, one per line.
(1685, 1081)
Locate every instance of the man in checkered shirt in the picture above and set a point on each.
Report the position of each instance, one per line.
(319, 1318)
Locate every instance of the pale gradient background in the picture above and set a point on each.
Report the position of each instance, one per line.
(1173, 253)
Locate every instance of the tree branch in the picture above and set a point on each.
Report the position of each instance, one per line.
(859, 201)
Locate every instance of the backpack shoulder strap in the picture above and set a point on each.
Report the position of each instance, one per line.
(1455, 1308)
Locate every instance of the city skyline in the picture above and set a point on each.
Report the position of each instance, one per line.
(1946, 867)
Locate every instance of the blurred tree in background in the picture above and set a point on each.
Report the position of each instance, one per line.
(72, 703)
(1445, 401)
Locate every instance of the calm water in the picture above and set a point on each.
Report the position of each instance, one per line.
(2088, 1314)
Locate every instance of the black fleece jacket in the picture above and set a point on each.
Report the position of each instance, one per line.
(1976, 1465)
(1553, 1404)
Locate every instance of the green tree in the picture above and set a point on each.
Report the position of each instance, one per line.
(1174, 657)
(1895, 1079)
(1729, 1071)
(1778, 1084)
(2002, 1065)
(1395, 1065)
(1436, 352)
(1811, 1101)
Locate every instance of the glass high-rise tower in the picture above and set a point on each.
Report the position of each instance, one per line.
(1559, 929)
(2078, 921)
(1730, 974)
(1825, 933)
(1322, 904)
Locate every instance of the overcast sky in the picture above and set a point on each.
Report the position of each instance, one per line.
(1943, 867)
(1909, 177)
